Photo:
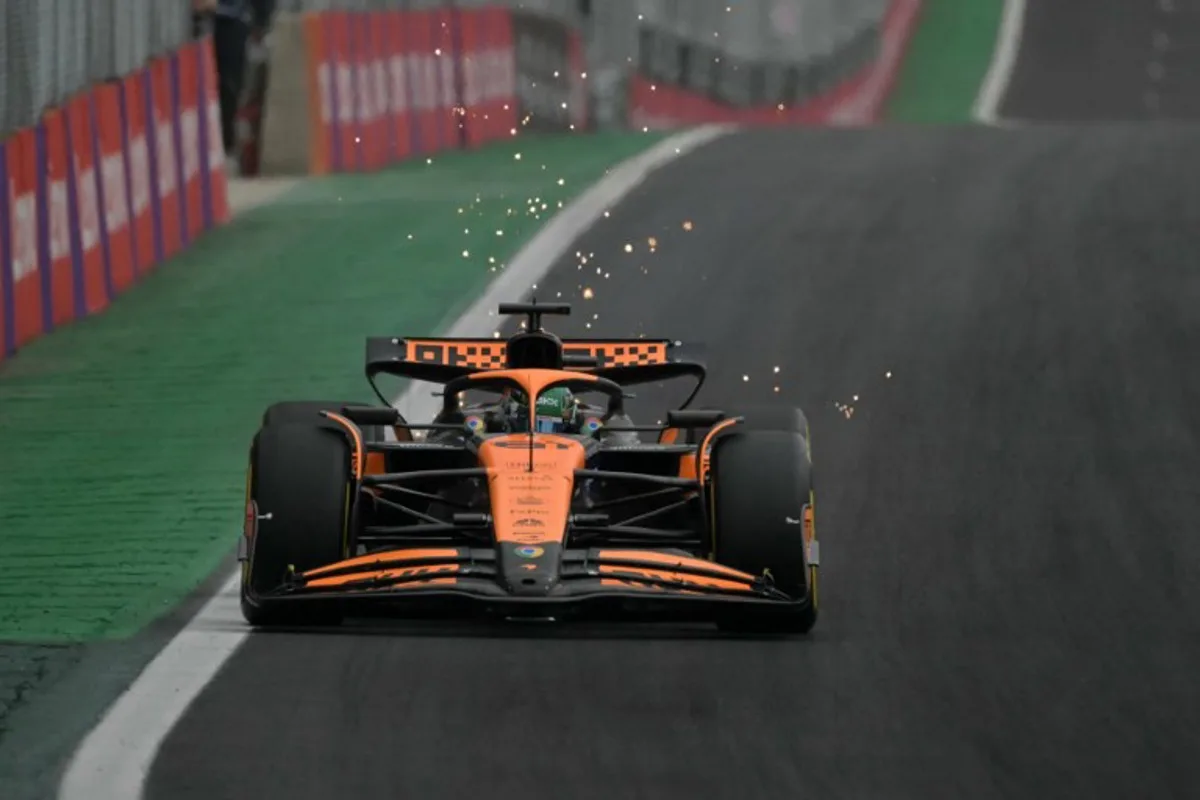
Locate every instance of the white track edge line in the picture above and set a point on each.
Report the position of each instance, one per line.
(1004, 63)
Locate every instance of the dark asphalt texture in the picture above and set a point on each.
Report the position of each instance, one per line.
(1107, 60)
(69, 690)
(1011, 572)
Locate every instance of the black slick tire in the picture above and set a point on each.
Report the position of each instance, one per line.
(759, 417)
(300, 488)
(310, 411)
(761, 483)
(774, 418)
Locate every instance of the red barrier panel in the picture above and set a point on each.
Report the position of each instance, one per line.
(114, 187)
(662, 106)
(389, 85)
(375, 78)
(400, 93)
(695, 108)
(472, 78)
(381, 73)
(498, 30)
(505, 46)
(482, 78)
(445, 54)
(364, 94)
(166, 159)
(217, 187)
(479, 78)
(345, 92)
(418, 27)
(652, 106)
(187, 94)
(141, 186)
(7, 334)
(322, 111)
(55, 257)
(28, 300)
(85, 213)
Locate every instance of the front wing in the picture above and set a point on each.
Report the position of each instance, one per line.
(593, 582)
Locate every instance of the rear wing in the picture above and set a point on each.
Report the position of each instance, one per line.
(626, 361)
(475, 355)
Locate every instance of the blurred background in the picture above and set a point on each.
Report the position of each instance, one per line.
(744, 51)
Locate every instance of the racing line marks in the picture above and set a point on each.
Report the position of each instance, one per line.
(114, 759)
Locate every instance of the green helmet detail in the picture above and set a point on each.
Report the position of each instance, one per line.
(556, 410)
(558, 403)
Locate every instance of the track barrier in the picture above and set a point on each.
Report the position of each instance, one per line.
(680, 81)
(103, 188)
(348, 91)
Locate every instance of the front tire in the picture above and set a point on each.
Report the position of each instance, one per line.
(761, 493)
(300, 489)
(309, 411)
(760, 417)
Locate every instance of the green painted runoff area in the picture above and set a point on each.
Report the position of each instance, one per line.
(123, 438)
(947, 61)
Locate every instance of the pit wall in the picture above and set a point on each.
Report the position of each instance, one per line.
(103, 189)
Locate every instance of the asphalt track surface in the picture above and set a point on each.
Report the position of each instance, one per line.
(1011, 576)
(1107, 60)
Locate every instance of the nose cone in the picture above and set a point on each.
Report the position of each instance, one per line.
(530, 570)
(530, 485)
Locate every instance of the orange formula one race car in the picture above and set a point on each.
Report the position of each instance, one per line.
(531, 494)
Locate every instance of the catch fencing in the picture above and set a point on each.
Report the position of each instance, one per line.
(50, 49)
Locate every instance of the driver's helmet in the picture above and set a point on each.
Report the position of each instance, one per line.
(557, 411)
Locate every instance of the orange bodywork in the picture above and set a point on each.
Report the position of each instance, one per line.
(531, 479)
(376, 464)
(706, 445)
(531, 506)
(667, 561)
(690, 466)
(391, 558)
(634, 583)
(687, 466)
(679, 578)
(431, 574)
(358, 463)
